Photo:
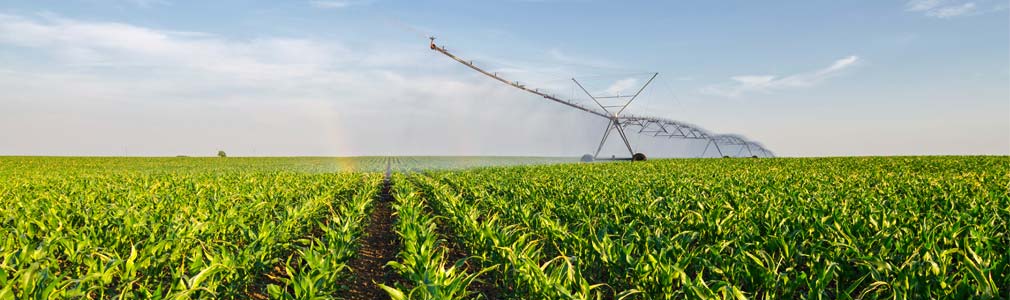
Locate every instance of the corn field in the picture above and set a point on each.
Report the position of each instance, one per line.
(286, 228)
(69, 229)
(845, 228)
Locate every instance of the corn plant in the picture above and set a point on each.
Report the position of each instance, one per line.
(522, 267)
(170, 228)
(851, 228)
(423, 261)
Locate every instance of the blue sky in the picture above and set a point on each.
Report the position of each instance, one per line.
(347, 77)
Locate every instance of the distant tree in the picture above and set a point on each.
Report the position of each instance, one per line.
(220, 153)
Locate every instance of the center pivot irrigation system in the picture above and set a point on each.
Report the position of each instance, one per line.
(654, 126)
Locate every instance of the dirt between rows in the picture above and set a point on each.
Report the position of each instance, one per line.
(379, 245)
(484, 285)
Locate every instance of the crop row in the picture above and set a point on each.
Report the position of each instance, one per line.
(841, 228)
(785, 228)
(68, 231)
(423, 260)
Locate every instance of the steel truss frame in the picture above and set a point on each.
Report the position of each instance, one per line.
(615, 116)
(662, 127)
(654, 126)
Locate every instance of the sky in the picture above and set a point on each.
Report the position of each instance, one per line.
(356, 77)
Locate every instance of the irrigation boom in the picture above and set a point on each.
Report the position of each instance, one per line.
(515, 84)
(657, 127)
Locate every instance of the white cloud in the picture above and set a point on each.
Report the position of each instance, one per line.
(840, 64)
(115, 44)
(335, 4)
(148, 3)
(744, 84)
(943, 9)
(953, 11)
(922, 5)
(623, 86)
(83, 87)
(561, 57)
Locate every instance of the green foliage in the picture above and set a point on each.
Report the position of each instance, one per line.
(422, 258)
(284, 228)
(102, 228)
(835, 228)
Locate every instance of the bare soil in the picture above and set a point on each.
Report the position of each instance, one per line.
(379, 245)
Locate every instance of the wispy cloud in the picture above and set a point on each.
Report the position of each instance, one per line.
(148, 3)
(953, 11)
(922, 5)
(549, 1)
(623, 86)
(115, 44)
(336, 4)
(562, 57)
(106, 80)
(945, 9)
(766, 83)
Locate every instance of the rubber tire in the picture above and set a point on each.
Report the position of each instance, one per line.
(638, 157)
